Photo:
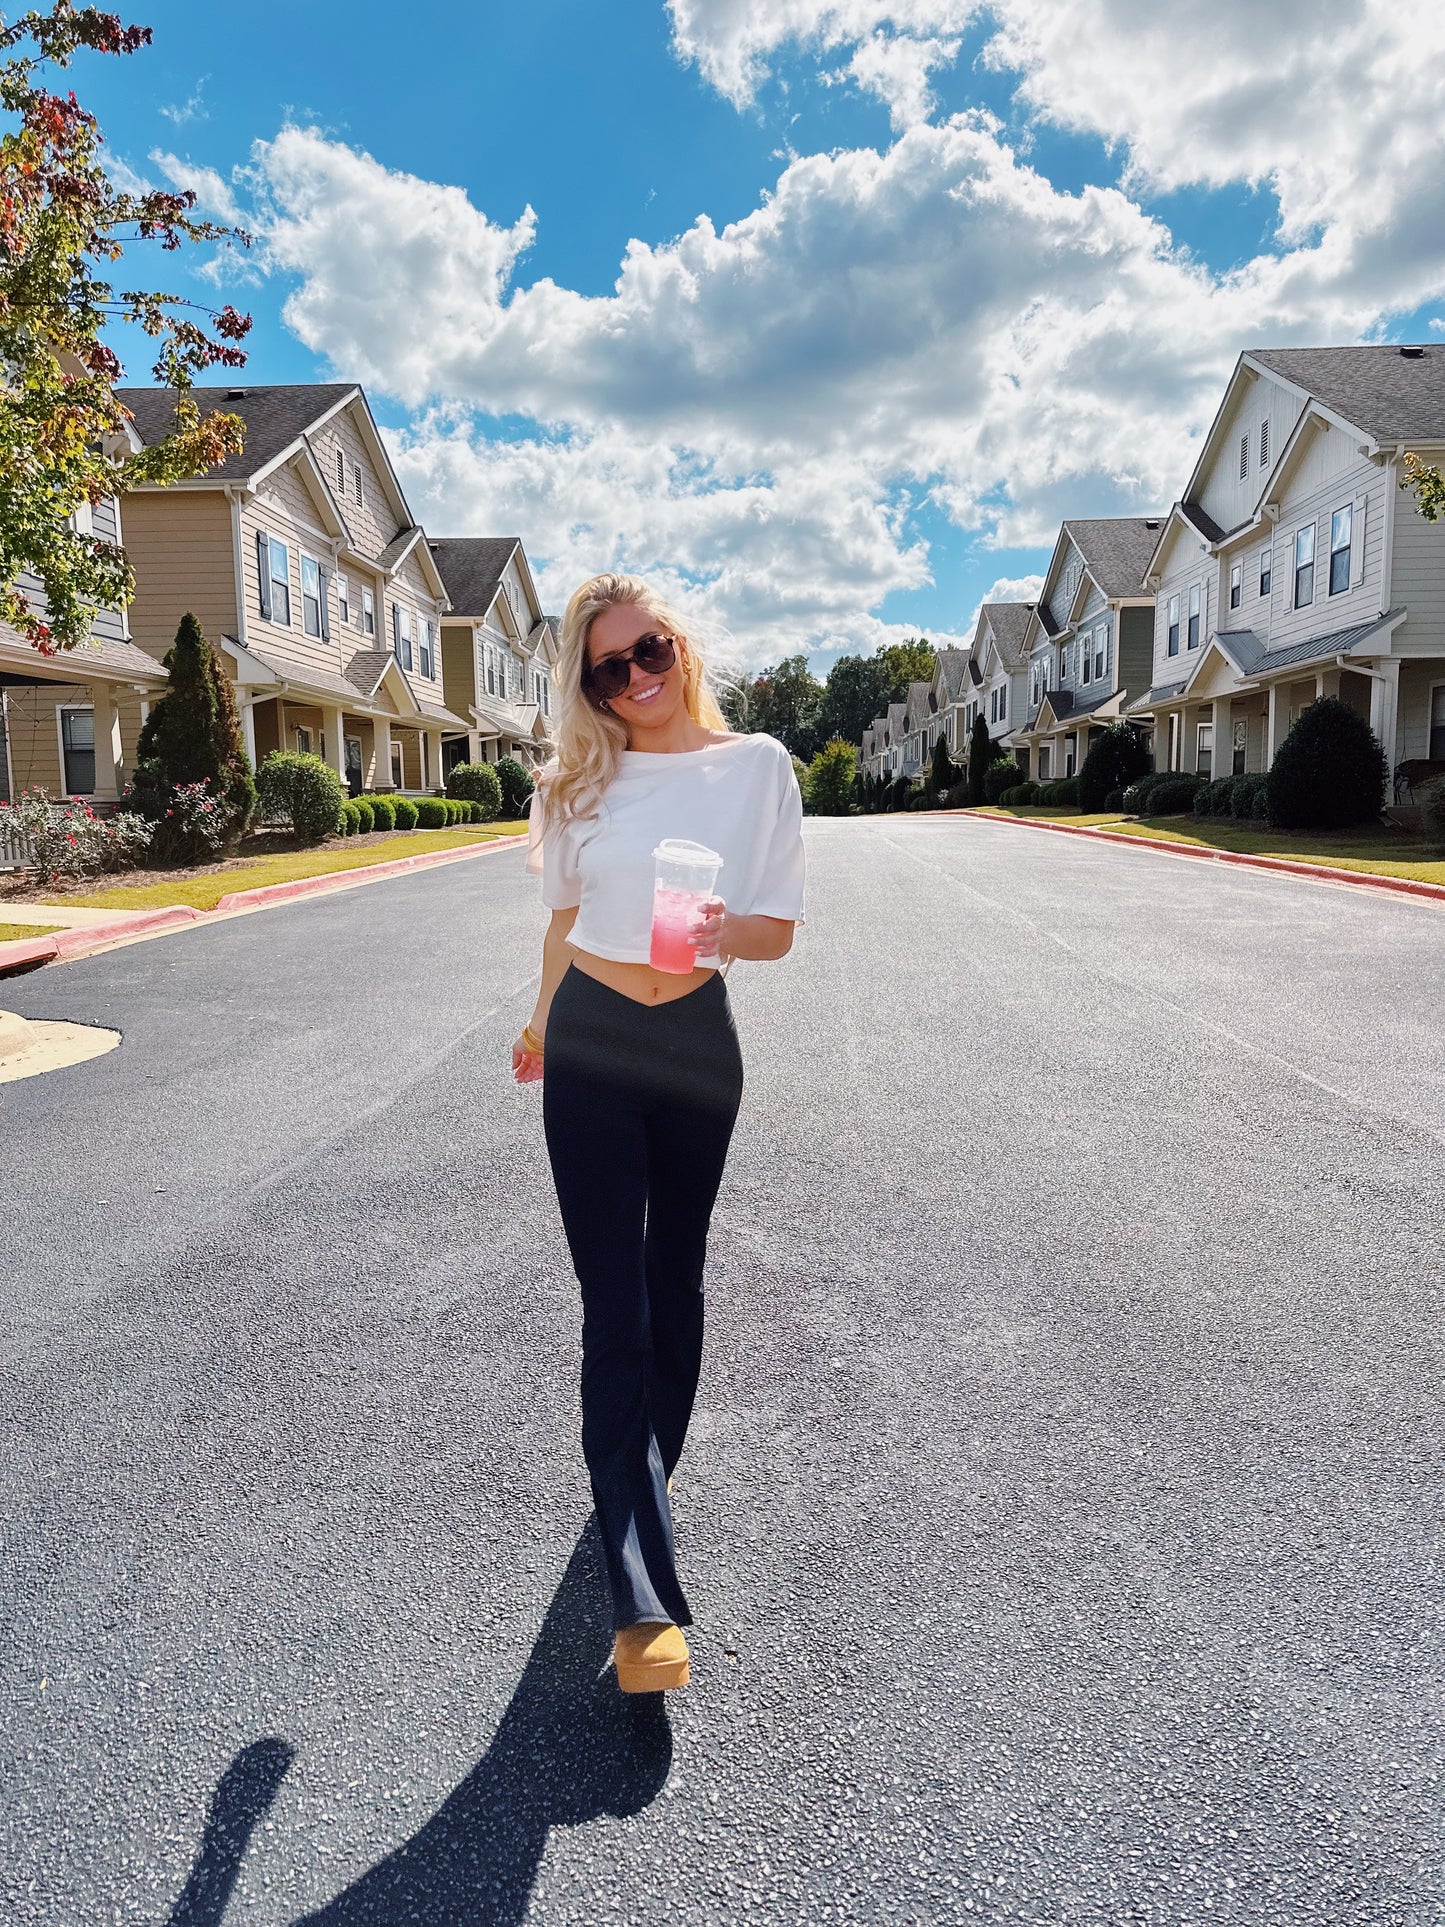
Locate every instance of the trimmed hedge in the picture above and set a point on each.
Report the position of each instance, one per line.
(365, 817)
(1216, 798)
(1117, 756)
(1171, 794)
(477, 783)
(1062, 793)
(1249, 799)
(1328, 772)
(1114, 803)
(431, 813)
(1001, 776)
(405, 812)
(383, 811)
(350, 817)
(301, 790)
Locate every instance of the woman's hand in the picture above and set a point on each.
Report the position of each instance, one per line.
(526, 1063)
(710, 930)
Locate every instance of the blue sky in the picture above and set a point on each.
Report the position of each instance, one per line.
(956, 306)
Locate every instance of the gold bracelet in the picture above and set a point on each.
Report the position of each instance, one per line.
(531, 1041)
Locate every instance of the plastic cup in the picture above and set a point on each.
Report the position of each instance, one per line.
(684, 879)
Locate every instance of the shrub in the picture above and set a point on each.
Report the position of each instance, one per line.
(477, 783)
(350, 817)
(1017, 793)
(365, 815)
(300, 790)
(479, 815)
(1114, 803)
(1000, 776)
(1172, 795)
(1245, 792)
(383, 811)
(944, 773)
(192, 736)
(1061, 794)
(431, 813)
(1207, 797)
(516, 787)
(198, 822)
(404, 810)
(457, 810)
(69, 839)
(1134, 797)
(982, 750)
(1328, 772)
(1117, 756)
(830, 778)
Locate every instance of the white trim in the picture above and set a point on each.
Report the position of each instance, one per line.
(68, 795)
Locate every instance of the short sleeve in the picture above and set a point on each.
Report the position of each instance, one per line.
(782, 874)
(552, 855)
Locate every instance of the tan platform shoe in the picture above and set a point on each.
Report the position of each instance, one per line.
(651, 1658)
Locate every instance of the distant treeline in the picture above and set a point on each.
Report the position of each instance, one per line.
(790, 703)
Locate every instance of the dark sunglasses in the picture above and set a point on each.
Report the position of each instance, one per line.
(608, 678)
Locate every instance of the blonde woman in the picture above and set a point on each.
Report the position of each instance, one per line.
(641, 1068)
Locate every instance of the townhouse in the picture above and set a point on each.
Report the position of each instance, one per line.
(1089, 641)
(309, 574)
(1296, 566)
(951, 688)
(69, 723)
(499, 651)
(998, 668)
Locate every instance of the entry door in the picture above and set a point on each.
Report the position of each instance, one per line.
(1437, 723)
(355, 782)
(1204, 755)
(1241, 745)
(396, 770)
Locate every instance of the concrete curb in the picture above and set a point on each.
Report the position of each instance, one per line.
(66, 945)
(1318, 872)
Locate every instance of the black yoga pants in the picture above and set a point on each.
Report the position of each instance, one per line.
(639, 1102)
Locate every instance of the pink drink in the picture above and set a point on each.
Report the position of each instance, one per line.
(674, 918)
(686, 877)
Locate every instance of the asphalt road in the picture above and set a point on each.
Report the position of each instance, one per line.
(1062, 1514)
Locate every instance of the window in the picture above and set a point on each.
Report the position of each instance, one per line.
(1071, 751)
(1340, 523)
(1204, 756)
(303, 741)
(273, 564)
(491, 669)
(341, 470)
(1304, 566)
(1063, 664)
(1240, 730)
(310, 596)
(1266, 558)
(82, 518)
(1086, 660)
(428, 650)
(1101, 652)
(1196, 603)
(1263, 443)
(343, 598)
(77, 750)
(1244, 455)
(401, 634)
(1003, 702)
(1236, 584)
(1174, 625)
(368, 613)
(398, 774)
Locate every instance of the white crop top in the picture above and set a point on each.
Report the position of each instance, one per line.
(738, 795)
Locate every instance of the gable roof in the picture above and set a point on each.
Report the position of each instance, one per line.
(1116, 550)
(472, 566)
(1007, 623)
(274, 418)
(951, 667)
(1391, 395)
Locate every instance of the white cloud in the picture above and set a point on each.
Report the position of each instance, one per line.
(733, 42)
(214, 196)
(1005, 588)
(896, 68)
(192, 108)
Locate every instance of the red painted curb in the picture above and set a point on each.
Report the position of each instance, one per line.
(1319, 872)
(26, 950)
(269, 893)
(95, 936)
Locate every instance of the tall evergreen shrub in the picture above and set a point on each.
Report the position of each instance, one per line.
(1328, 772)
(192, 735)
(1118, 756)
(981, 752)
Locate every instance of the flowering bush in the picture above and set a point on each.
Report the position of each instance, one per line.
(197, 823)
(69, 839)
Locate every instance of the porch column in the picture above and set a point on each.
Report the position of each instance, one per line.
(381, 734)
(247, 707)
(1222, 762)
(1385, 718)
(1189, 748)
(108, 756)
(335, 727)
(1161, 741)
(1277, 722)
(434, 759)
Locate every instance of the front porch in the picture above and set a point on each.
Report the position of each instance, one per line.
(69, 724)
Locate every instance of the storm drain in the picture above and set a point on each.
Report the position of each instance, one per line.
(31, 1046)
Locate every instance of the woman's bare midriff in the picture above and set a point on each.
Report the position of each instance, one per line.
(640, 982)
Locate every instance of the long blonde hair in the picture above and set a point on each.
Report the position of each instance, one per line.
(590, 741)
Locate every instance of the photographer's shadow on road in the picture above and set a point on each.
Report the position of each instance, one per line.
(569, 1748)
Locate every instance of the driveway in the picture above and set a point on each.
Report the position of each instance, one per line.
(1062, 1514)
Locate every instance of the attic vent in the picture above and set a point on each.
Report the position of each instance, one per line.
(235, 394)
(1151, 523)
(1412, 354)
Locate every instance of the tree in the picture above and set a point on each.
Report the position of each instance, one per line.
(943, 775)
(830, 778)
(909, 661)
(192, 735)
(856, 691)
(1428, 482)
(516, 787)
(784, 702)
(63, 223)
(982, 750)
(1118, 756)
(1328, 772)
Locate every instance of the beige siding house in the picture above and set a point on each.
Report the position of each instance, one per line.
(1296, 566)
(307, 571)
(499, 651)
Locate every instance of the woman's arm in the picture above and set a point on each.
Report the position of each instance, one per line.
(754, 939)
(556, 956)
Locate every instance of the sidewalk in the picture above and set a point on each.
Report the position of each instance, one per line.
(86, 931)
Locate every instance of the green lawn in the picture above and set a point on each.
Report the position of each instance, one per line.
(18, 932)
(204, 890)
(1378, 852)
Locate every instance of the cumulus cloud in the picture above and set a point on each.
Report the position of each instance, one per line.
(734, 42)
(213, 195)
(896, 68)
(1006, 588)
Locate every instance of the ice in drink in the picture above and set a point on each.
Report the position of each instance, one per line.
(686, 876)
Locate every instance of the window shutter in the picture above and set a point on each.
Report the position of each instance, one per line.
(325, 605)
(263, 573)
(396, 631)
(1357, 542)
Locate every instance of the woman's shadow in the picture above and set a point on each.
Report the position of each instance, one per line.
(569, 1748)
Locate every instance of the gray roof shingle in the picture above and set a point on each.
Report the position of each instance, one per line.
(472, 567)
(952, 669)
(1116, 551)
(274, 417)
(1392, 396)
